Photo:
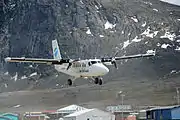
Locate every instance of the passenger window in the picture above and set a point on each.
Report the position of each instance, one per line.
(83, 65)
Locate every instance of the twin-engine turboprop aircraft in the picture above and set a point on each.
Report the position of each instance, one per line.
(88, 68)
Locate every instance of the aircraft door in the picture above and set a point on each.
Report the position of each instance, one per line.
(83, 68)
(76, 66)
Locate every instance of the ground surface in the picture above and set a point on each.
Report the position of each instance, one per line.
(90, 95)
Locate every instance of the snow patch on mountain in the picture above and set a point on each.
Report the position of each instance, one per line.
(30, 66)
(177, 40)
(126, 43)
(164, 46)
(6, 73)
(134, 19)
(136, 39)
(169, 35)
(33, 74)
(13, 5)
(23, 77)
(101, 36)
(173, 71)
(108, 25)
(148, 3)
(81, 2)
(15, 77)
(144, 24)
(158, 44)
(122, 32)
(156, 10)
(96, 7)
(177, 48)
(88, 31)
(149, 33)
(5, 85)
(150, 51)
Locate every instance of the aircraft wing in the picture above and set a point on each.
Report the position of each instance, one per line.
(127, 57)
(37, 60)
(134, 56)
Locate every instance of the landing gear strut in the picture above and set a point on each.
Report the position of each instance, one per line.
(98, 81)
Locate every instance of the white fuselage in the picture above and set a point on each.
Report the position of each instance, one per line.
(84, 68)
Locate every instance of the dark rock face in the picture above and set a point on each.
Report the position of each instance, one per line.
(88, 29)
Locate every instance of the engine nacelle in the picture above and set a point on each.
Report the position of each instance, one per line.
(108, 63)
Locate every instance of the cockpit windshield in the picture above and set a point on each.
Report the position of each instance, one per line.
(94, 62)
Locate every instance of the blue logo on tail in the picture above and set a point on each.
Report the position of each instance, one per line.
(55, 52)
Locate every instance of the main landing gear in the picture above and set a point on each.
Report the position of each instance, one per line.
(69, 82)
(98, 81)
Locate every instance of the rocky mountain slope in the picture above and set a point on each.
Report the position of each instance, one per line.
(88, 29)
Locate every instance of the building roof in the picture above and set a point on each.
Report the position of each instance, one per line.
(10, 116)
(70, 109)
(4, 118)
(164, 107)
(79, 113)
(85, 111)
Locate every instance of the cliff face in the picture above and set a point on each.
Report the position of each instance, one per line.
(87, 29)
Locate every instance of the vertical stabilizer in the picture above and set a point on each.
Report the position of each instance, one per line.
(56, 51)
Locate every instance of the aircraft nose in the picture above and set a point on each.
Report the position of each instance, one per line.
(105, 70)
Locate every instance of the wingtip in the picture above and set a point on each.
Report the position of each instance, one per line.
(7, 59)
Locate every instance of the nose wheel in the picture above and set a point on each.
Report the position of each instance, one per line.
(69, 82)
(98, 81)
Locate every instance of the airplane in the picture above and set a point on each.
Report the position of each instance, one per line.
(77, 68)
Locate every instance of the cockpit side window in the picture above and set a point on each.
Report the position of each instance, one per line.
(89, 63)
(93, 62)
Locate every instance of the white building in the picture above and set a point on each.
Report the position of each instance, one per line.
(70, 109)
(90, 114)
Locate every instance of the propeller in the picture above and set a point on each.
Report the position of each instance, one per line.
(113, 61)
(70, 63)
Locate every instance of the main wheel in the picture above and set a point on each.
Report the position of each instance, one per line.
(69, 82)
(100, 81)
(96, 80)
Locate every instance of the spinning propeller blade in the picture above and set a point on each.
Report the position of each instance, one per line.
(70, 64)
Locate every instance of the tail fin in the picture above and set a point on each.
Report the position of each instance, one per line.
(56, 51)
